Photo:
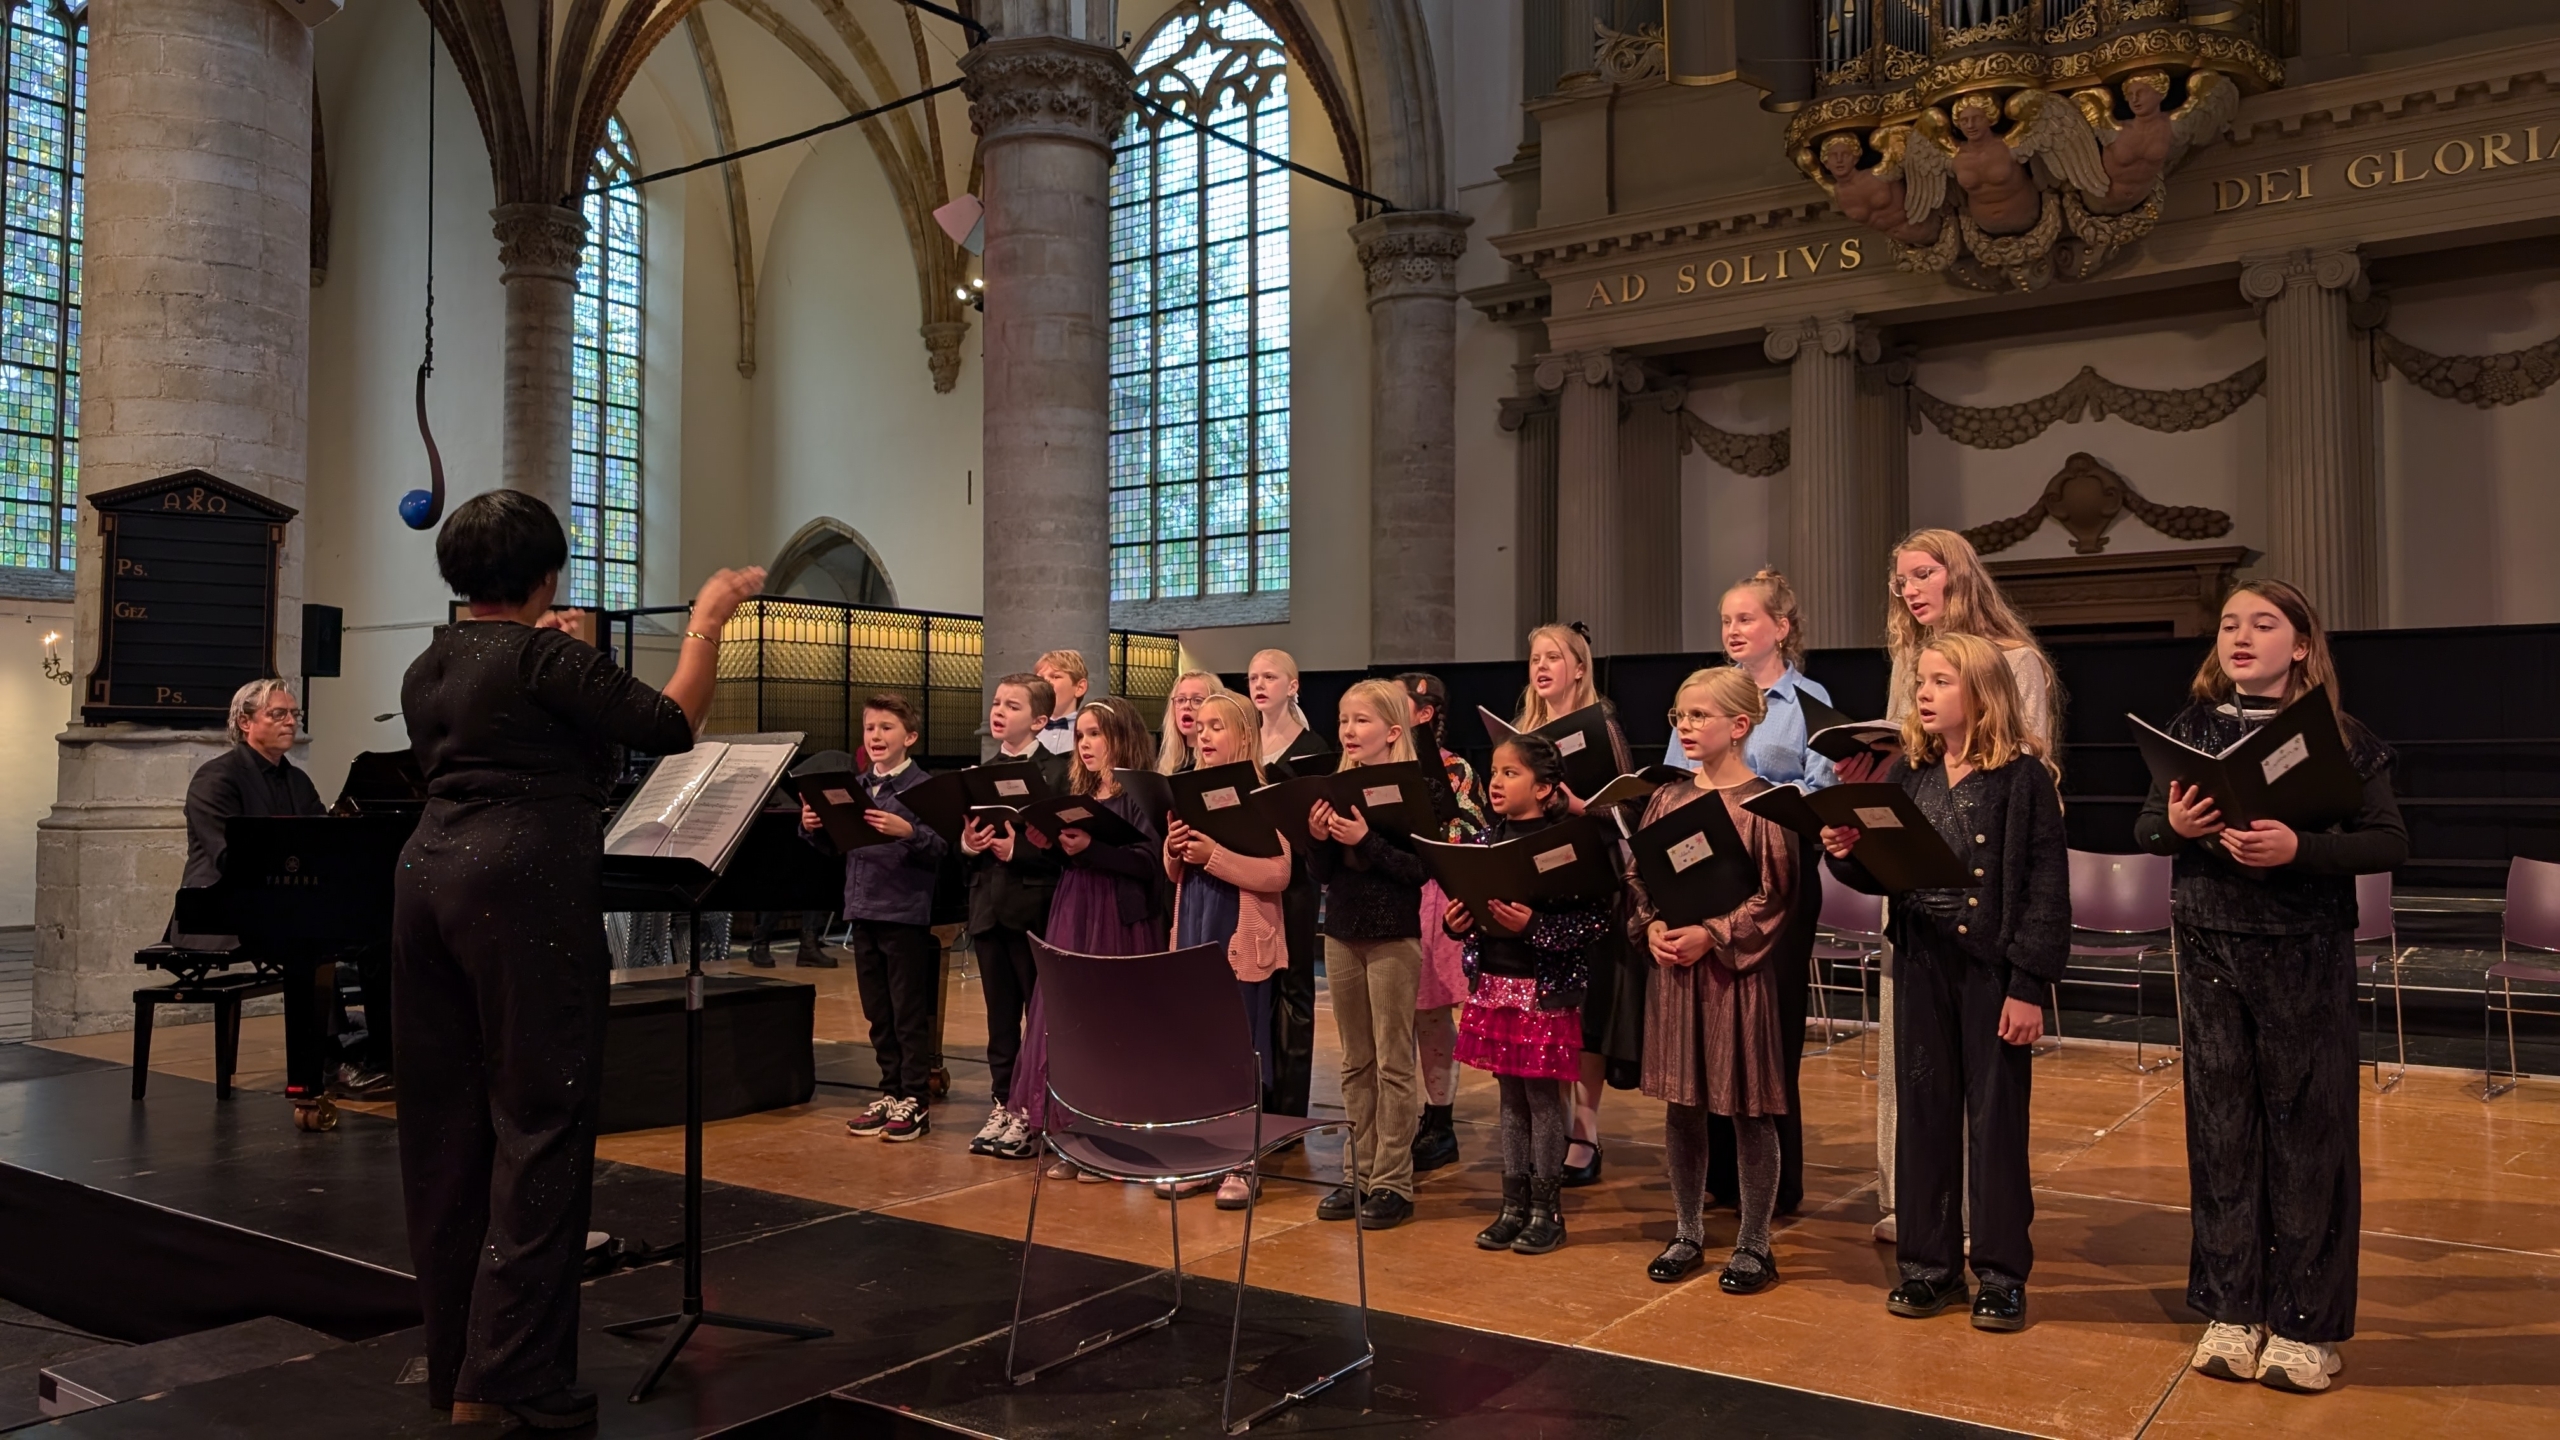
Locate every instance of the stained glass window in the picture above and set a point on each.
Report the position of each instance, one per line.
(47, 64)
(604, 424)
(1200, 316)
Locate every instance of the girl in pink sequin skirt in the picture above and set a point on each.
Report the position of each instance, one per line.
(1523, 1017)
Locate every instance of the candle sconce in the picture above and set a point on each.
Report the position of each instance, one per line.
(54, 670)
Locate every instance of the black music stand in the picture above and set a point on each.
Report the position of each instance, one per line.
(687, 883)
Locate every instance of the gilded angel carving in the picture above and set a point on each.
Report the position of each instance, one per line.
(2139, 151)
(1875, 197)
(2048, 145)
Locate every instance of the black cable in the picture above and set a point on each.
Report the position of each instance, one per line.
(1385, 205)
(978, 34)
(793, 139)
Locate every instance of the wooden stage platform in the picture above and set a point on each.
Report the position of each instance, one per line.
(908, 1251)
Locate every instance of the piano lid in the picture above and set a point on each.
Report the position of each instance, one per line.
(380, 780)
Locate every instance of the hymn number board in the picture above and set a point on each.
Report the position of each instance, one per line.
(188, 609)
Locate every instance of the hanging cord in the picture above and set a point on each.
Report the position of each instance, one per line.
(421, 509)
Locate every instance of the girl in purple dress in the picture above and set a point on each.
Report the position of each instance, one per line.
(1111, 899)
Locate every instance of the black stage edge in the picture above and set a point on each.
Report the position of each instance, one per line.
(918, 1311)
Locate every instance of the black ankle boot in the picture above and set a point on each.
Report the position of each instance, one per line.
(1545, 1230)
(568, 1409)
(1506, 1226)
(1436, 1143)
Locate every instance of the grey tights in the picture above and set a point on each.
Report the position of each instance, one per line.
(1756, 1153)
(1533, 1127)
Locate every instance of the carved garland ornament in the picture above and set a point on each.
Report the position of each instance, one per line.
(2086, 497)
(2486, 381)
(1737, 451)
(2089, 395)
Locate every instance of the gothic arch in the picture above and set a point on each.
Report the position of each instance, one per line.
(827, 559)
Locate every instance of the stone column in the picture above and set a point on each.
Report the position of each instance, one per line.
(1884, 488)
(1827, 530)
(195, 347)
(1410, 258)
(2323, 529)
(538, 249)
(1533, 535)
(1046, 108)
(1649, 488)
(1590, 500)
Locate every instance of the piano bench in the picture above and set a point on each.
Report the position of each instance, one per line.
(225, 993)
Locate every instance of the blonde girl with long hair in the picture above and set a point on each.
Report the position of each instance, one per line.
(1373, 963)
(1271, 680)
(1972, 967)
(1288, 743)
(1182, 719)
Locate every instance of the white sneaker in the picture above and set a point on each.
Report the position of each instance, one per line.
(1888, 1230)
(2229, 1352)
(1019, 1141)
(992, 1132)
(2297, 1365)
(874, 1117)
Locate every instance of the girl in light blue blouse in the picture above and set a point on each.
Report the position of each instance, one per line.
(1765, 638)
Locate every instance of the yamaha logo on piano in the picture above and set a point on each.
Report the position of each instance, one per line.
(292, 874)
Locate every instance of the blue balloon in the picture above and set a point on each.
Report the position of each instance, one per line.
(418, 508)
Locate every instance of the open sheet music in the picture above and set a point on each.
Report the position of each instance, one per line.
(697, 805)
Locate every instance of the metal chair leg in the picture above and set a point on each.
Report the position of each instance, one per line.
(1867, 1023)
(2490, 1089)
(2399, 1030)
(1368, 1348)
(2053, 1041)
(2141, 1013)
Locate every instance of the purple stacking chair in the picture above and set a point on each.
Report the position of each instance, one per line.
(1850, 932)
(1151, 1064)
(2532, 922)
(2123, 896)
(2377, 925)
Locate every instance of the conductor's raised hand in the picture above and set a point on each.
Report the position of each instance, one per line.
(889, 823)
(1512, 917)
(2193, 813)
(1839, 840)
(572, 623)
(721, 595)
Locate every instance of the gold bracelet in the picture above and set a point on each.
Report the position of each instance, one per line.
(698, 635)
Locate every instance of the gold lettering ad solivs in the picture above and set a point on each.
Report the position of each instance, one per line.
(1759, 267)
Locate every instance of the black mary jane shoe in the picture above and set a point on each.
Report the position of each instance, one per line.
(1577, 1176)
(1384, 1210)
(1339, 1203)
(571, 1408)
(2000, 1308)
(1748, 1273)
(1678, 1261)
(1920, 1299)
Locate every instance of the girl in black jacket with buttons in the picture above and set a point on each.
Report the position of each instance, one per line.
(1971, 967)
(2265, 935)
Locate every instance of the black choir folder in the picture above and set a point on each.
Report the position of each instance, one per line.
(839, 799)
(1569, 860)
(1837, 738)
(1581, 738)
(2293, 769)
(945, 800)
(1896, 842)
(1219, 803)
(1639, 786)
(1063, 812)
(1693, 863)
(1393, 796)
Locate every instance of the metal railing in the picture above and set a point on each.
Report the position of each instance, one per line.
(796, 664)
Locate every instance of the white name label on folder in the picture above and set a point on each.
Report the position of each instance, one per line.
(1547, 860)
(837, 797)
(1381, 795)
(1223, 798)
(1073, 814)
(1878, 817)
(1572, 744)
(1689, 852)
(2284, 757)
(1013, 789)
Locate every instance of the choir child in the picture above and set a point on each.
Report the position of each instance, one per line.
(2265, 938)
(1271, 681)
(1523, 1021)
(1065, 671)
(1182, 718)
(1443, 987)
(1110, 900)
(1221, 897)
(1716, 1039)
(1373, 961)
(1972, 966)
(888, 899)
(1010, 885)
(1560, 682)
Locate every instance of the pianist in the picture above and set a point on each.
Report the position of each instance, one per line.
(499, 953)
(253, 777)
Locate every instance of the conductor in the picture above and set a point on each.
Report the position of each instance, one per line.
(499, 952)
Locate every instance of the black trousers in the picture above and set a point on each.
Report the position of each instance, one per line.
(1793, 967)
(499, 969)
(310, 1010)
(2272, 1168)
(898, 970)
(1963, 1094)
(1293, 1002)
(1006, 970)
(373, 977)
